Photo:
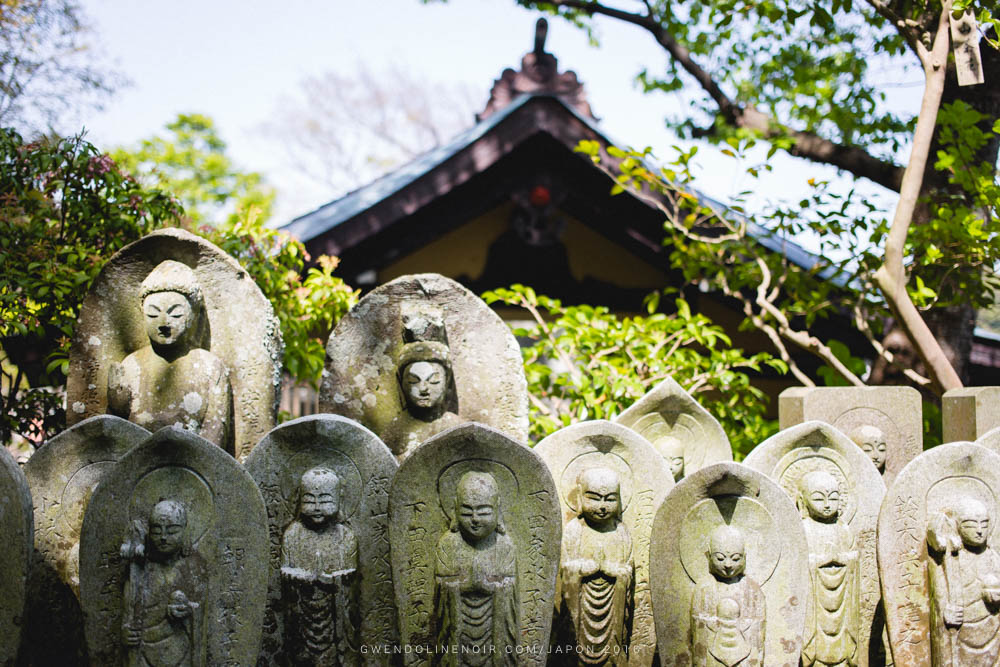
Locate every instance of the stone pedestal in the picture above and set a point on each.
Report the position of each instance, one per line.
(969, 413)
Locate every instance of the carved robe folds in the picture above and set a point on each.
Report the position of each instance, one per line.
(728, 624)
(476, 601)
(833, 572)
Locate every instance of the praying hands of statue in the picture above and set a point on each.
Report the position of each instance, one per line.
(584, 566)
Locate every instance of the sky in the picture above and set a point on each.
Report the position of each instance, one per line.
(237, 61)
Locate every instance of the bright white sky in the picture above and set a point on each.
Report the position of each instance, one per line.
(235, 60)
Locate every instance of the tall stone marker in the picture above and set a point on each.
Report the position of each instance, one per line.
(15, 555)
(173, 558)
(611, 482)
(886, 422)
(838, 493)
(325, 480)
(938, 545)
(421, 354)
(174, 332)
(730, 584)
(684, 433)
(62, 475)
(474, 525)
(969, 413)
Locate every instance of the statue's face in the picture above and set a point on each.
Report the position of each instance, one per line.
(600, 495)
(424, 384)
(319, 501)
(677, 467)
(873, 443)
(673, 451)
(822, 496)
(168, 315)
(477, 513)
(974, 525)
(166, 530)
(727, 554)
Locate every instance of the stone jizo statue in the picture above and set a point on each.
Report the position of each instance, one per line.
(964, 572)
(831, 634)
(728, 611)
(173, 381)
(872, 441)
(672, 450)
(319, 565)
(476, 580)
(165, 592)
(597, 571)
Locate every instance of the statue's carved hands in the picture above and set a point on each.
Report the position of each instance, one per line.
(618, 570)
(584, 566)
(991, 596)
(131, 636)
(954, 615)
(180, 607)
(298, 574)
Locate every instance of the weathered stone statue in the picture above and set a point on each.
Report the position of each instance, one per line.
(936, 551)
(420, 354)
(62, 475)
(838, 493)
(964, 585)
(728, 611)
(319, 569)
(475, 579)
(889, 419)
(872, 442)
(474, 527)
(730, 586)
(164, 598)
(15, 555)
(173, 381)
(610, 481)
(174, 332)
(173, 558)
(684, 433)
(325, 481)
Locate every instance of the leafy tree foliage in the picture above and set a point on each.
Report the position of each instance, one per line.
(588, 363)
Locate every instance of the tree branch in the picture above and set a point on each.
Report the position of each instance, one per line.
(804, 144)
(891, 276)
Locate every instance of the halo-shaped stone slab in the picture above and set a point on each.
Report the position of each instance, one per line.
(921, 490)
(895, 411)
(668, 411)
(421, 512)
(62, 475)
(365, 467)
(734, 495)
(645, 479)
(15, 555)
(990, 440)
(360, 380)
(225, 535)
(243, 330)
(812, 446)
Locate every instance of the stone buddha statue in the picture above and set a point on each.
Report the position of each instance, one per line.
(164, 596)
(727, 611)
(597, 572)
(475, 605)
(173, 381)
(872, 440)
(833, 624)
(319, 567)
(964, 573)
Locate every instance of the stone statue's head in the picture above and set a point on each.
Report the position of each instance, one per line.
(600, 495)
(424, 375)
(172, 303)
(726, 552)
(972, 518)
(168, 534)
(819, 496)
(477, 507)
(672, 449)
(872, 441)
(319, 497)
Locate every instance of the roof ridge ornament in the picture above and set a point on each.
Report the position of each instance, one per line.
(539, 75)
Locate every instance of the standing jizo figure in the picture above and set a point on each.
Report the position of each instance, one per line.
(173, 381)
(165, 592)
(596, 571)
(728, 611)
(964, 586)
(476, 579)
